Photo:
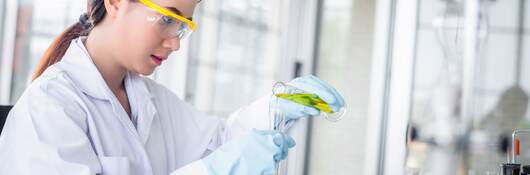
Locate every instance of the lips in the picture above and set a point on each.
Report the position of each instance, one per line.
(158, 59)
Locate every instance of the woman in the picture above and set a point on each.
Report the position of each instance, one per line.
(89, 112)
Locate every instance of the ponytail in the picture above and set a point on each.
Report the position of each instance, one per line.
(56, 51)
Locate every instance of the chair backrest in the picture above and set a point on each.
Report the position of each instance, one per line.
(4, 110)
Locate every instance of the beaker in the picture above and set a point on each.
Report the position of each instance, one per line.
(285, 91)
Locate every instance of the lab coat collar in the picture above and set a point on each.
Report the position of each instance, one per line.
(80, 67)
(82, 70)
(145, 105)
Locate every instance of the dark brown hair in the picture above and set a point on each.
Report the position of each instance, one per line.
(55, 52)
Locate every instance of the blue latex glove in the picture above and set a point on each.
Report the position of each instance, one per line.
(255, 152)
(314, 85)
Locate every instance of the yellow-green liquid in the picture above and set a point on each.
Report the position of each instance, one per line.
(306, 99)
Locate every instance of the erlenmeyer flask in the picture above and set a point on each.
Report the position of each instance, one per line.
(287, 92)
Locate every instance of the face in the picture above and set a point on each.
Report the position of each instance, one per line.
(144, 37)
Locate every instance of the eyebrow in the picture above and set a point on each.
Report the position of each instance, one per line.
(178, 12)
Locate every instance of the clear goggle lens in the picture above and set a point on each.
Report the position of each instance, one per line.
(169, 26)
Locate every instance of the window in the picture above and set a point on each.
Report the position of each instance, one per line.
(501, 87)
(344, 60)
(235, 59)
(37, 23)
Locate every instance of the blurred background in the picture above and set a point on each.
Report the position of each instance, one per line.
(432, 86)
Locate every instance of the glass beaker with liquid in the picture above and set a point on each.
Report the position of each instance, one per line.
(287, 92)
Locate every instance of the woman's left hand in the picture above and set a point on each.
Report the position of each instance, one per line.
(313, 85)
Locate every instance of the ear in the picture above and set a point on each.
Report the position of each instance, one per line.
(112, 7)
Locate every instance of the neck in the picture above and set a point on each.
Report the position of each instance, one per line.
(99, 50)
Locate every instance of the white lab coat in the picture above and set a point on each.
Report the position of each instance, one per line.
(69, 122)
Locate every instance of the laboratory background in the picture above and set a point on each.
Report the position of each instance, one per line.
(431, 86)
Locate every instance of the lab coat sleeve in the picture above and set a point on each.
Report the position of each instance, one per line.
(209, 132)
(193, 134)
(255, 115)
(48, 134)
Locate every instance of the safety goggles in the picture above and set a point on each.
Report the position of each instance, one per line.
(170, 23)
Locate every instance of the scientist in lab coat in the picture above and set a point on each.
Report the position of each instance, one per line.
(88, 110)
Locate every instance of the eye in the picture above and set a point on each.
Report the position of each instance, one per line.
(167, 20)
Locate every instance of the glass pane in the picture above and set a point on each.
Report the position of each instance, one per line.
(52, 17)
(501, 89)
(2, 19)
(245, 54)
(344, 61)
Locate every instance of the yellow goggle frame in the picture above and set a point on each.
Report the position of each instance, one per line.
(167, 12)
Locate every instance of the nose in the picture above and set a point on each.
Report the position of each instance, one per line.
(172, 44)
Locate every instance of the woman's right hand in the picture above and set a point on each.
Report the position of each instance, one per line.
(255, 152)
